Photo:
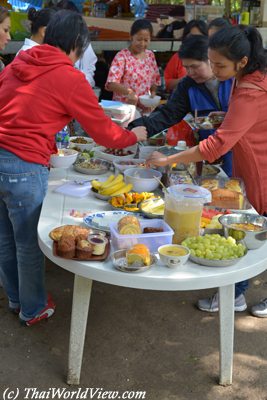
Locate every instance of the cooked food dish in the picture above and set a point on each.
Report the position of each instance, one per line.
(138, 254)
(129, 225)
(79, 140)
(119, 152)
(247, 227)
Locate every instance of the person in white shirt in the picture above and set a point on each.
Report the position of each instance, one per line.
(39, 20)
(87, 62)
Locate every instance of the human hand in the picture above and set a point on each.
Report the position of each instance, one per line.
(132, 98)
(158, 159)
(140, 133)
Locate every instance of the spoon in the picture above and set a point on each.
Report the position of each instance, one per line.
(78, 182)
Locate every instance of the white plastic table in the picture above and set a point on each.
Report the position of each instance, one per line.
(55, 212)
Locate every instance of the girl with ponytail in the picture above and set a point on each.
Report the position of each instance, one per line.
(237, 52)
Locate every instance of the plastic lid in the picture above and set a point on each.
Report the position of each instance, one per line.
(190, 192)
(181, 145)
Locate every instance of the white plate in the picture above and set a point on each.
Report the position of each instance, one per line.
(101, 220)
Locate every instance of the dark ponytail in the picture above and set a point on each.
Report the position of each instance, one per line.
(40, 18)
(237, 42)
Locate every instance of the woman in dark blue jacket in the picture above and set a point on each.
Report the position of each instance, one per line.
(199, 90)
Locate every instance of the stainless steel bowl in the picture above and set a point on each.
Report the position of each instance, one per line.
(250, 239)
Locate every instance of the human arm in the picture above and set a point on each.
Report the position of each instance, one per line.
(168, 114)
(120, 88)
(87, 64)
(185, 157)
(82, 105)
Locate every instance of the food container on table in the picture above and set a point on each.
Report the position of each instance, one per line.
(173, 255)
(183, 209)
(81, 143)
(64, 158)
(152, 240)
(100, 152)
(142, 179)
(146, 151)
(122, 165)
(252, 239)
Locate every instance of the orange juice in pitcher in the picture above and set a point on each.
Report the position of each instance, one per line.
(183, 209)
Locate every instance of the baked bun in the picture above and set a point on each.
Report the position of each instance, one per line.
(129, 225)
(140, 254)
(83, 249)
(66, 246)
(226, 198)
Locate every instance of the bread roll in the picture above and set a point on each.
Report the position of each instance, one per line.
(129, 225)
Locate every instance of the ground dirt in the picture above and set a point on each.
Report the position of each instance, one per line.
(136, 340)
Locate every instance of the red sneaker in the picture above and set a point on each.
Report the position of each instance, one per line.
(46, 313)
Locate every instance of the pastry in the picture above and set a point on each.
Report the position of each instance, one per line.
(210, 184)
(233, 184)
(69, 230)
(66, 246)
(226, 198)
(139, 254)
(129, 225)
(83, 249)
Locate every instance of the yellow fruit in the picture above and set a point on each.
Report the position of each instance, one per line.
(108, 181)
(123, 189)
(108, 191)
(115, 181)
(96, 184)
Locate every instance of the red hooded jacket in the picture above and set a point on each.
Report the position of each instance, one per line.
(40, 93)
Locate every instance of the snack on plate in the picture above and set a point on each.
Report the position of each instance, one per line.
(233, 184)
(66, 246)
(129, 225)
(69, 230)
(129, 201)
(226, 198)
(210, 184)
(83, 249)
(140, 254)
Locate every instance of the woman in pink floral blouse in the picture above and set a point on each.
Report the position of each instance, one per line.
(134, 71)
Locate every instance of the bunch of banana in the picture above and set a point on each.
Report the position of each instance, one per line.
(113, 186)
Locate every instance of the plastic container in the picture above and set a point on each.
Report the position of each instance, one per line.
(183, 209)
(146, 151)
(152, 240)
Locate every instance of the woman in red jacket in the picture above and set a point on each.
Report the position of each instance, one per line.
(40, 93)
(237, 52)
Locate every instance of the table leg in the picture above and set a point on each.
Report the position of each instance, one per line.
(226, 312)
(80, 307)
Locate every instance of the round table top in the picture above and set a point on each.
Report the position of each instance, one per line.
(56, 211)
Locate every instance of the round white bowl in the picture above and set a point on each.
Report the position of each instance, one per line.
(99, 152)
(81, 146)
(133, 163)
(173, 261)
(142, 179)
(64, 158)
(147, 101)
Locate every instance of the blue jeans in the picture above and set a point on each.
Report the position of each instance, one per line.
(22, 189)
(240, 288)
